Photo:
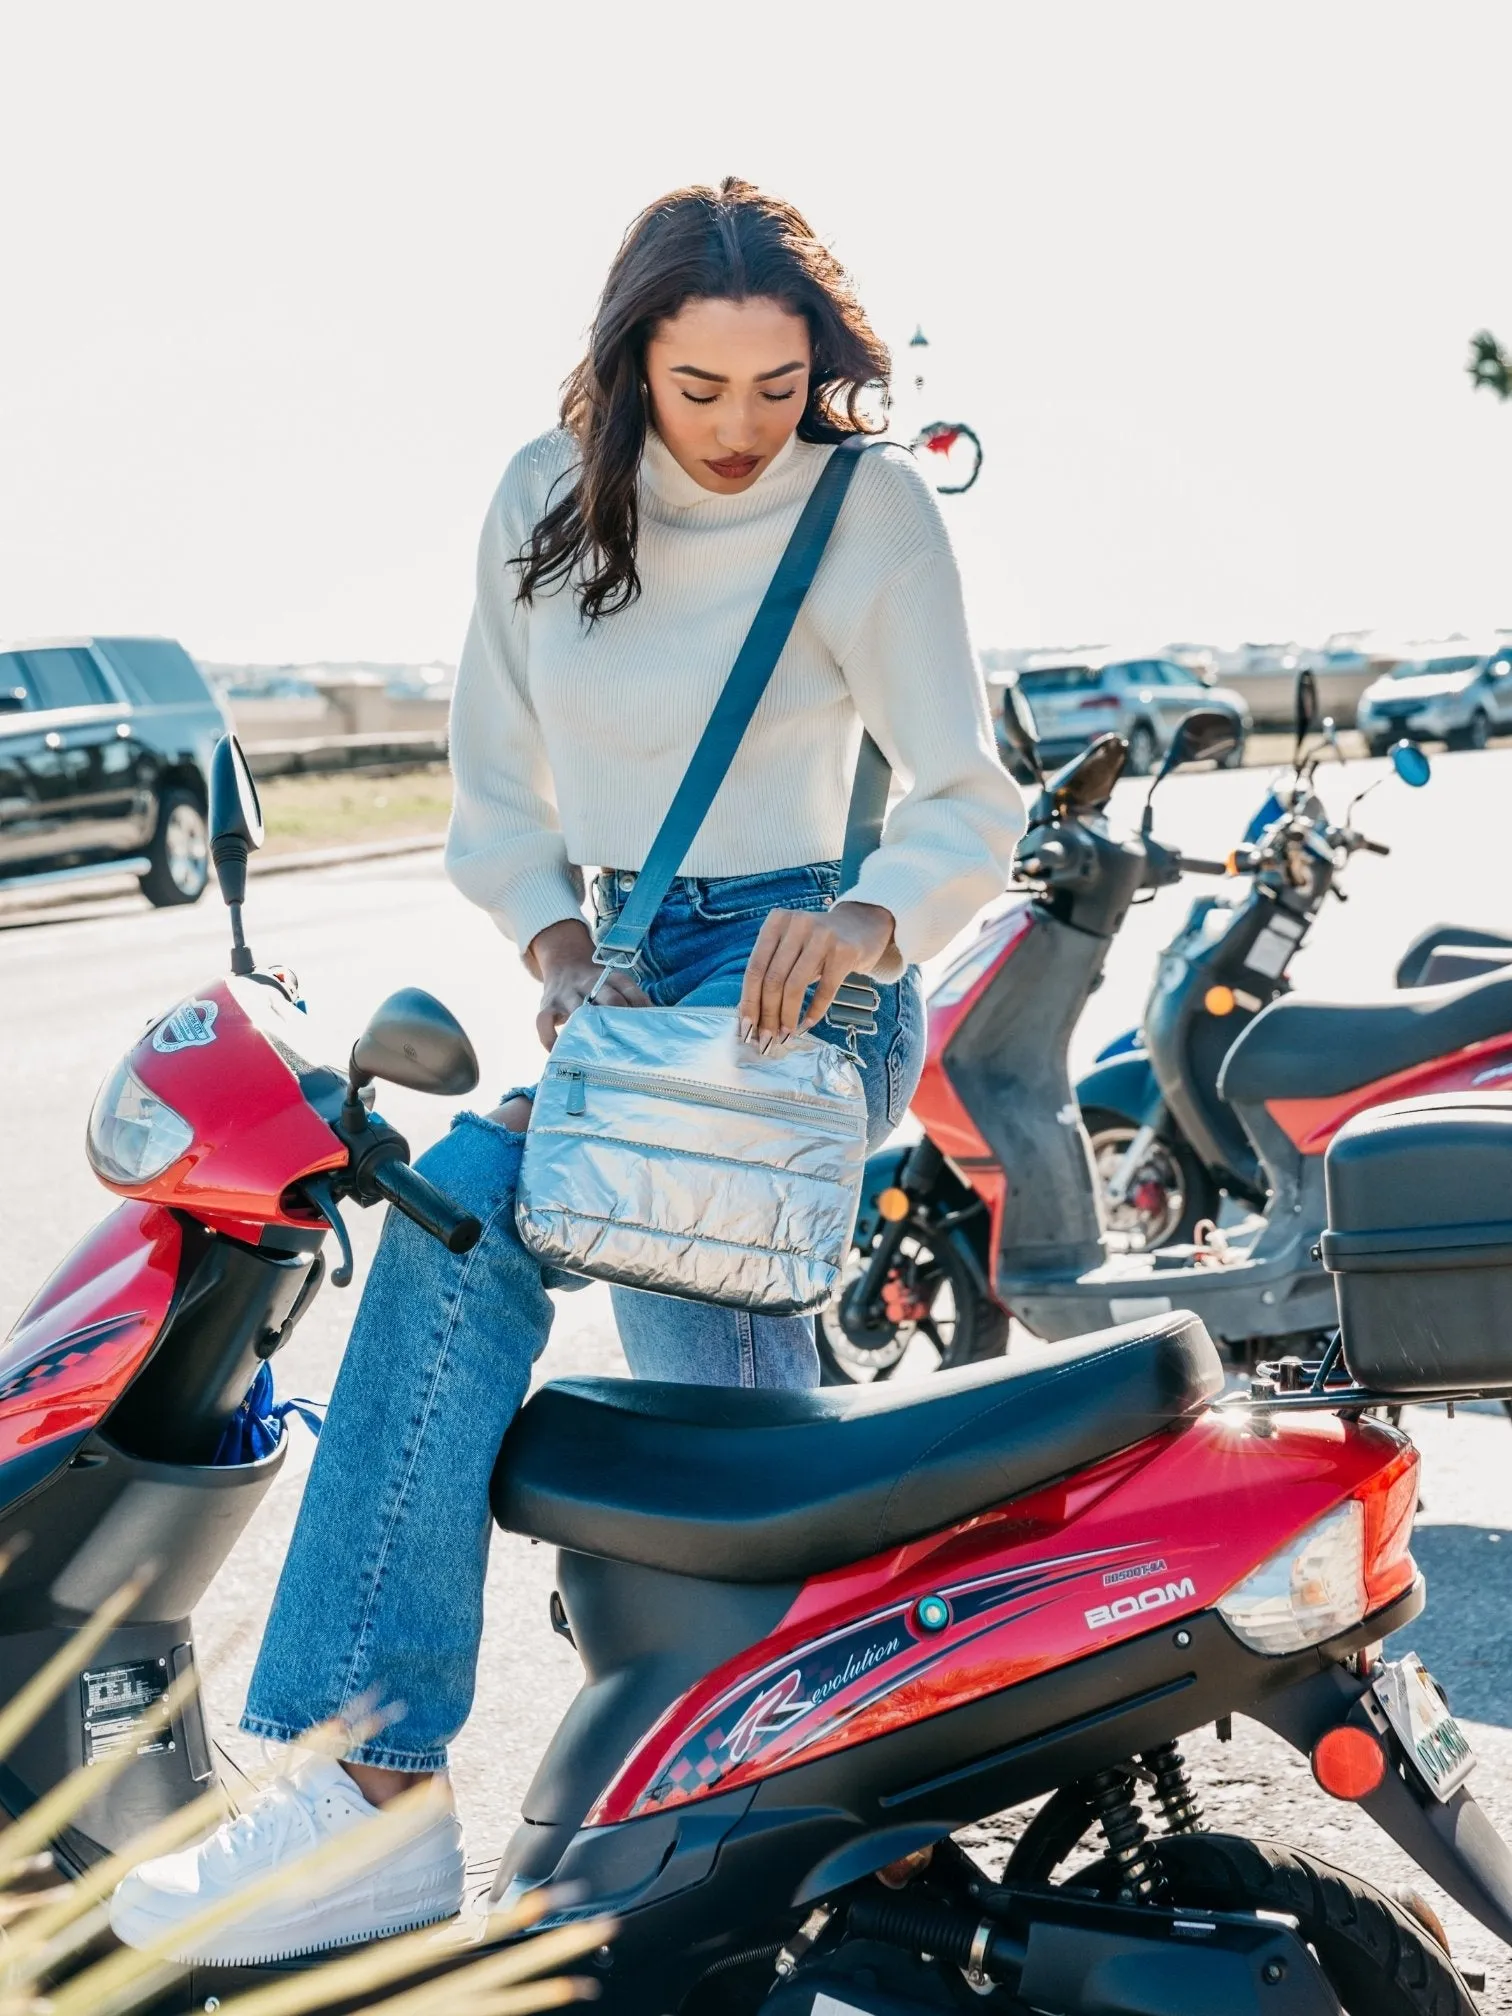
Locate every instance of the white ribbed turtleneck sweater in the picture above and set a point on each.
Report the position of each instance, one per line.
(568, 740)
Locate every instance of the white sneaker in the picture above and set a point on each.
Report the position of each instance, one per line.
(417, 1883)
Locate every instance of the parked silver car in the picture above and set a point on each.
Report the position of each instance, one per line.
(1075, 698)
(1456, 693)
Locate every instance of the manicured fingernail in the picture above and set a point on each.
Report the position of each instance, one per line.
(766, 1044)
(745, 1029)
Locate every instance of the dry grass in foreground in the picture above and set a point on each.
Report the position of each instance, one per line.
(51, 1960)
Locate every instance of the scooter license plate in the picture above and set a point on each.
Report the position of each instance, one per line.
(1420, 1717)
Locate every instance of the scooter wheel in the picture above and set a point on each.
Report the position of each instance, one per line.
(930, 1296)
(1171, 1196)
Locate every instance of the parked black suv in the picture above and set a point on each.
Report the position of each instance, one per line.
(104, 751)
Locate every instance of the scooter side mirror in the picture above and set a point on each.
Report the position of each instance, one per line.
(1021, 729)
(236, 828)
(1204, 735)
(236, 821)
(1305, 705)
(412, 1040)
(1411, 764)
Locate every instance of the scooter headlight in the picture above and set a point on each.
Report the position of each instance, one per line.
(133, 1135)
(1312, 1590)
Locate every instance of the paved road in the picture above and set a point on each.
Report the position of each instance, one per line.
(74, 991)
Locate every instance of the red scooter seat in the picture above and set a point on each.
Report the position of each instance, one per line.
(738, 1485)
(1297, 1049)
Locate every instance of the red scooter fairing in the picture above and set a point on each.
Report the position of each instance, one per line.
(1019, 1592)
(230, 1062)
(83, 1340)
(937, 1104)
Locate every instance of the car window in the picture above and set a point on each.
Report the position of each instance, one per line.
(1414, 668)
(156, 672)
(1178, 675)
(65, 677)
(13, 677)
(1061, 679)
(1145, 672)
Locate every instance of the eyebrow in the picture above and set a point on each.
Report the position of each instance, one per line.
(717, 378)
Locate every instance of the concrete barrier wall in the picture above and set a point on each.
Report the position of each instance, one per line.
(342, 711)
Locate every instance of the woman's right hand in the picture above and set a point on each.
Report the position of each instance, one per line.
(562, 957)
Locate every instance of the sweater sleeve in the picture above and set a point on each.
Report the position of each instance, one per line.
(947, 846)
(504, 849)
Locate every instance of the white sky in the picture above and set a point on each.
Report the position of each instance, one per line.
(283, 287)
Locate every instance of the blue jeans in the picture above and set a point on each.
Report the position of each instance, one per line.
(381, 1596)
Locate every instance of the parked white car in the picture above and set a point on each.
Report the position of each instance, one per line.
(1458, 693)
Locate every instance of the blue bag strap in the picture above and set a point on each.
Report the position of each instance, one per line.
(739, 698)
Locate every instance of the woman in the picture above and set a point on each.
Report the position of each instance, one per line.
(622, 560)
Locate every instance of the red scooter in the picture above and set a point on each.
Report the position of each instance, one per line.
(821, 1632)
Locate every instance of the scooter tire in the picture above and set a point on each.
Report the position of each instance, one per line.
(1201, 1197)
(1379, 1960)
(980, 1329)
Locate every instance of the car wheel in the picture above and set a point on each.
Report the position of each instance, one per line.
(1479, 732)
(1142, 748)
(180, 852)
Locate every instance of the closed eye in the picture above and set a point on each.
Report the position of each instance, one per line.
(776, 398)
(694, 400)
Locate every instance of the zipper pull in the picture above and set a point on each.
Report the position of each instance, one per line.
(577, 1090)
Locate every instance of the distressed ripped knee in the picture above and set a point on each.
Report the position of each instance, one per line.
(513, 1114)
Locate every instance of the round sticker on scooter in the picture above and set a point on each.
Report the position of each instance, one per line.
(188, 1027)
(931, 1613)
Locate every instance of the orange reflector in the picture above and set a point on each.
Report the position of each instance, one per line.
(1219, 1000)
(1348, 1763)
(894, 1205)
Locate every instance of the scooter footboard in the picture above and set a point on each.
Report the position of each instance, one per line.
(1451, 1840)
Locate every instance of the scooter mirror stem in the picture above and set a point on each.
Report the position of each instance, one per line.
(242, 961)
(1349, 815)
(354, 1114)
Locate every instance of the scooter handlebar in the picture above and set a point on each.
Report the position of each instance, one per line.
(1192, 864)
(421, 1202)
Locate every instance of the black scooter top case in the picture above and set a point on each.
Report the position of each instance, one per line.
(1419, 1242)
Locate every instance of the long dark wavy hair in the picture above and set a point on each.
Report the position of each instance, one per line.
(731, 243)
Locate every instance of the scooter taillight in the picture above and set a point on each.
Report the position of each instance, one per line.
(1336, 1572)
(1389, 1500)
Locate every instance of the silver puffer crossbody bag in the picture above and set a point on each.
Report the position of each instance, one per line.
(663, 1153)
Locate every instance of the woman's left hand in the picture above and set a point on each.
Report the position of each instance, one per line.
(799, 949)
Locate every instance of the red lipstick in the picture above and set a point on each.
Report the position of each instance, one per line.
(734, 466)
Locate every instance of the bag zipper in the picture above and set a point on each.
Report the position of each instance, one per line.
(773, 1105)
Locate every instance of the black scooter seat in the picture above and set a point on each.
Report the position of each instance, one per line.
(1297, 1049)
(762, 1486)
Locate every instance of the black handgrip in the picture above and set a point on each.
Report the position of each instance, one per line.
(1192, 864)
(1375, 846)
(408, 1191)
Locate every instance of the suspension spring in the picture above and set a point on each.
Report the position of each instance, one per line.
(1179, 1805)
(1125, 1833)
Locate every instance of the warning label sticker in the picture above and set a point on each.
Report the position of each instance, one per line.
(115, 1701)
